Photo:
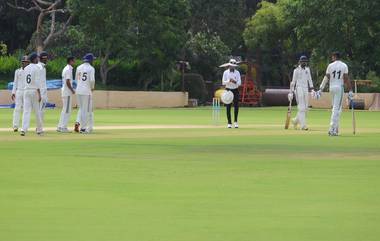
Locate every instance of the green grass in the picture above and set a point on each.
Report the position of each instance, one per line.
(259, 182)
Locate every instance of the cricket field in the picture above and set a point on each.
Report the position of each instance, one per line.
(171, 175)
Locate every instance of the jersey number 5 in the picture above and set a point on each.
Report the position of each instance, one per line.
(28, 78)
(84, 76)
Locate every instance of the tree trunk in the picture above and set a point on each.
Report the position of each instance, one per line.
(39, 42)
(104, 72)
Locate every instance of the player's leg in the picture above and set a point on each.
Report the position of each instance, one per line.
(228, 110)
(90, 126)
(37, 111)
(42, 105)
(68, 111)
(83, 107)
(26, 112)
(65, 114)
(296, 120)
(77, 120)
(302, 107)
(337, 100)
(236, 107)
(18, 110)
(306, 99)
(60, 123)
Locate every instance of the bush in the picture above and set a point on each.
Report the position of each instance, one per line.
(8, 65)
(195, 85)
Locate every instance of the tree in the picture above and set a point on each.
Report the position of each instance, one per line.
(225, 18)
(270, 31)
(350, 26)
(206, 52)
(109, 27)
(45, 9)
(161, 38)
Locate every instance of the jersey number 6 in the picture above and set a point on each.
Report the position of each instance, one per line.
(28, 78)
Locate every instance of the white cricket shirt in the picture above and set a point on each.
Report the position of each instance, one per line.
(32, 78)
(336, 70)
(228, 75)
(302, 78)
(85, 76)
(67, 74)
(19, 81)
(42, 76)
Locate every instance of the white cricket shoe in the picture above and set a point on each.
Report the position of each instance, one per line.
(22, 133)
(295, 123)
(229, 126)
(236, 125)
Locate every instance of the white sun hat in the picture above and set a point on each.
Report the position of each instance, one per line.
(232, 63)
(227, 97)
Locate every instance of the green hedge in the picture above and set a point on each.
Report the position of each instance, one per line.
(8, 65)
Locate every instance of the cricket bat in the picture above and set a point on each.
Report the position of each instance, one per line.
(353, 117)
(288, 116)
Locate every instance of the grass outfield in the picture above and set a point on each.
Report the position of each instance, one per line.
(259, 182)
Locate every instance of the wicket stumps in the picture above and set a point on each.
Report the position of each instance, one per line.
(216, 111)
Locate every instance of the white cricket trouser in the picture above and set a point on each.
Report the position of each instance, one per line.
(337, 93)
(31, 103)
(19, 103)
(302, 97)
(44, 100)
(66, 111)
(85, 114)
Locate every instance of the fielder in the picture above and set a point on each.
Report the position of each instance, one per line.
(85, 75)
(32, 95)
(337, 76)
(300, 86)
(67, 95)
(18, 92)
(232, 80)
(42, 64)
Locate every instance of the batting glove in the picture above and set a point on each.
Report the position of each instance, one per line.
(290, 96)
(350, 95)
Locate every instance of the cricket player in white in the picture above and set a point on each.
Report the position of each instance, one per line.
(32, 95)
(42, 64)
(67, 95)
(300, 86)
(337, 76)
(18, 92)
(85, 76)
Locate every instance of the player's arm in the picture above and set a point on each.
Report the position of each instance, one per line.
(68, 82)
(347, 82)
(92, 80)
(294, 81)
(38, 83)
(15, 86)
(238, 81)
(310, 79)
